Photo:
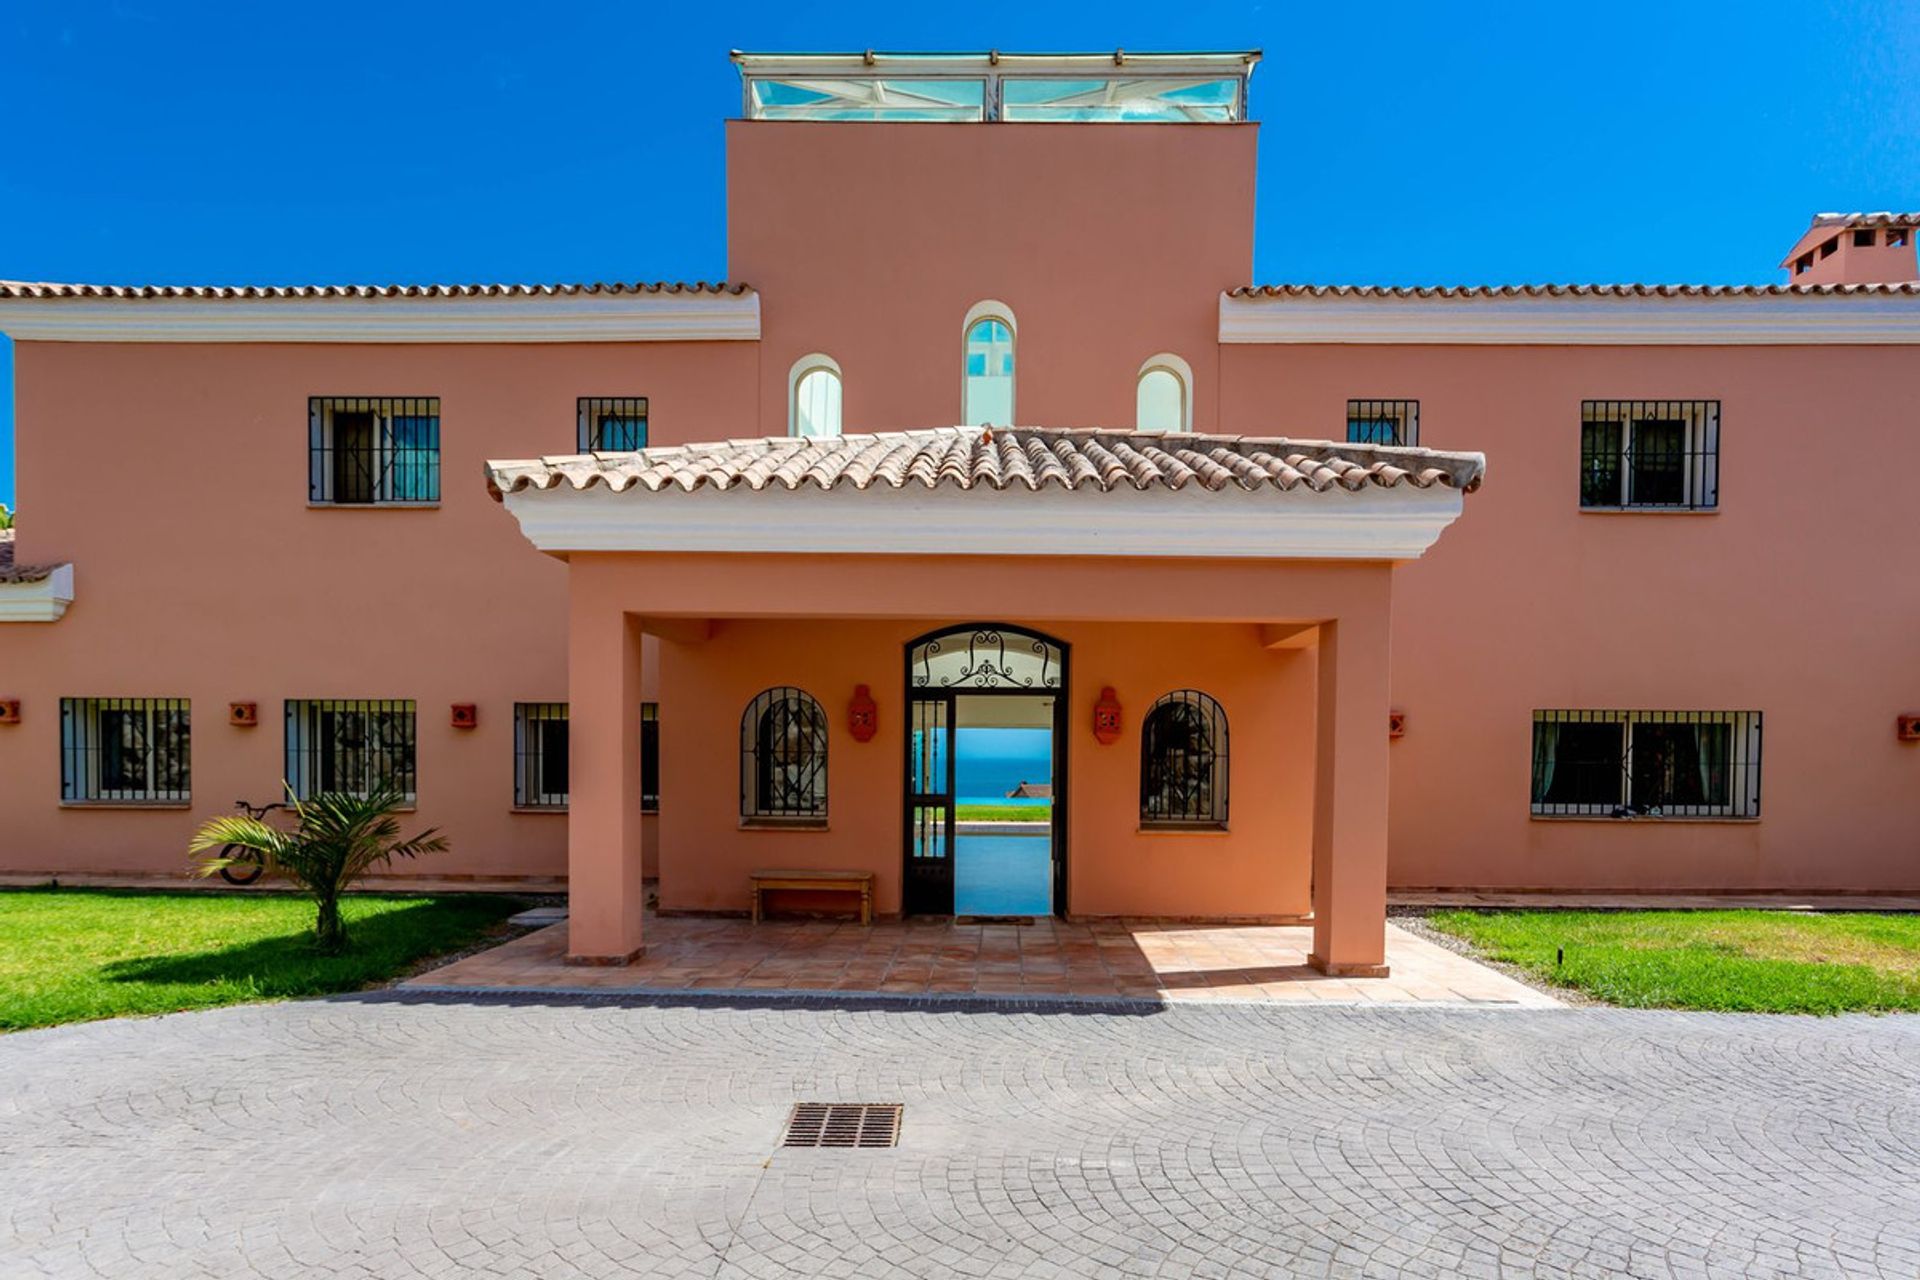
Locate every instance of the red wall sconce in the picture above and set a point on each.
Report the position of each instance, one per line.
(466, 715)
(9, 711)
(1908, 728)
(1106, 717)
(1396, 724)
(245, 715)
(863, 714)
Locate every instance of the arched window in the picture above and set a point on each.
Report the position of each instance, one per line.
(1163, 397)
(1183, 762)
(783, 756)
(987, 385)
(813, 397)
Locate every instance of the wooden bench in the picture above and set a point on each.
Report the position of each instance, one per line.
(860, 882)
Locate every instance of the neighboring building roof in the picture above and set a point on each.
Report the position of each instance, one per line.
(19, 573)
(48, 289)
(1881, 219)
(1566, 290)
(1001, 458)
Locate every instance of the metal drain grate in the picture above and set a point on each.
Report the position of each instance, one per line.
(843, 1124)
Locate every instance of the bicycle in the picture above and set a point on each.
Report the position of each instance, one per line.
(245, 866)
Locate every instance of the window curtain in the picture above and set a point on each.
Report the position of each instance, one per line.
(414, 459)
(1715, 745)
(1546, 755)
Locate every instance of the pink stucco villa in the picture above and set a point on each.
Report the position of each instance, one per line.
(682, 581)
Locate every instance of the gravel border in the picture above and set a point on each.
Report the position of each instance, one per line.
(1414, 921)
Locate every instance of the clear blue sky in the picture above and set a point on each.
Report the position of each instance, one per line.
(154, 141)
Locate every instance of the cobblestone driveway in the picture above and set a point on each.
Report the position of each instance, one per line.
(375, 1138)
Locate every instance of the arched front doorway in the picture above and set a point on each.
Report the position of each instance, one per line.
(982, 675)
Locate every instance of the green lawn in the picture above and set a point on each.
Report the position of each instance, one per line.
(1003, 813)
(1752, 961)
(67, 955)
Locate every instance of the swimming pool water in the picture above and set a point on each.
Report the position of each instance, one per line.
(1003, 875)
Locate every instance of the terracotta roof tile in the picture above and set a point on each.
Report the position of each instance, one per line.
(19, 573)
(38, 289)
(1001, 458)
(1568, 290)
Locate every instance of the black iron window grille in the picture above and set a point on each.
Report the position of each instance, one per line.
(783, 757)
(373, 450)
(125, 751)
(649, 757)
(1383, 422)
(353, 746)
(1655, 454)
(1646, 764)
(612, 424)
(540, 755)
(1183, 761)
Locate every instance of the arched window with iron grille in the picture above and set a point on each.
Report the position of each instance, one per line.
(783, 757)
(1183, 761)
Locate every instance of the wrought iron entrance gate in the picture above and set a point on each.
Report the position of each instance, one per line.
(984, 659)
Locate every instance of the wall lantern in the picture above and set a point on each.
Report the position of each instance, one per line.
(246, 715)
(9, 711)
(466, 715)
(1908, 727)
(1396, 724)
(863, 715)
(1106, 717)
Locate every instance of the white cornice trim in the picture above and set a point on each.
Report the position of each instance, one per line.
(1603, 321)
(1372, 524)
(575, 318)
(42, 601)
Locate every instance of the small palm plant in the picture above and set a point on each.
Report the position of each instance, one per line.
(6, 516)
(338, 838)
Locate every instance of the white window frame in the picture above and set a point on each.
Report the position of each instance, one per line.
(302, 752)
(990, 309)
(1700, 453)
(528, 793)
(384, 410)
(1164, 362)
(1743, 764)
(814, 362)
(82, 747)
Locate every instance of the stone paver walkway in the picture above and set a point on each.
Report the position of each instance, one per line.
(370, 1137)
(1048, 958)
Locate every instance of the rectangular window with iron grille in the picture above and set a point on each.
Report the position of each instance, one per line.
(350, 745)
(373, 450)
(1660, 455)
(125, 751)
(540, 755)
(649, 757)
(1646, 764)
(612, 424)
(1383, 422)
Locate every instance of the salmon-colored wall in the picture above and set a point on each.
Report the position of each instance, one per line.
(174, 477)
(1256, 868)
(1793, 599)
(869, 242)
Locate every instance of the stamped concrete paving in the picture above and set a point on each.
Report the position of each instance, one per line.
(372, 1137)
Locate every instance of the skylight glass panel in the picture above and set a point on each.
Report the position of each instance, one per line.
(863, 98)
(1121, 98)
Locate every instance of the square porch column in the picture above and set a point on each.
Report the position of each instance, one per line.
(606, 897)
(1350, 798)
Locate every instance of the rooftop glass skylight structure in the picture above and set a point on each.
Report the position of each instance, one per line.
(1117, 87)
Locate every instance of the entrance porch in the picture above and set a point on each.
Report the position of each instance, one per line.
(1208, 617)
(928, 957)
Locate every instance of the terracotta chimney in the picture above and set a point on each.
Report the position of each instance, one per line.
(1855, 248)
